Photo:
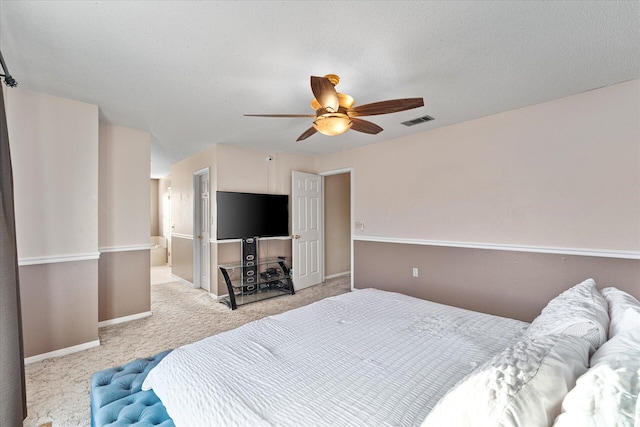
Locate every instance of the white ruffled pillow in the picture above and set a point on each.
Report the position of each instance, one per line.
(579, 311)
(619, 302)
(607, 395)
(522, 386)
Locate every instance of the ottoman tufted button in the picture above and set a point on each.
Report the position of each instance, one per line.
(117, 398)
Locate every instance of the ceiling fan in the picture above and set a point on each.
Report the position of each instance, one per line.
(335, 113)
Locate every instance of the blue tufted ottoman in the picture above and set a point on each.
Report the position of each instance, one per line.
(117, 399)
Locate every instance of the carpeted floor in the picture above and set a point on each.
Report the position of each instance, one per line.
(58, 388)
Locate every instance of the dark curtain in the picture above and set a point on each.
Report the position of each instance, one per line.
(13, 401)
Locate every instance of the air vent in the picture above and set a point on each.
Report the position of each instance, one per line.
(418, 121)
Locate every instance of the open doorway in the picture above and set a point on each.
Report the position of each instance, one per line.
(201, 226)
(166, 221)
(161, 237)
(338, 208)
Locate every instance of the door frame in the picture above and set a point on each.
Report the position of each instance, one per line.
(350, 171)
(197, 244)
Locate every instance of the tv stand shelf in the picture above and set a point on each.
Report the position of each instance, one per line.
(271, 279)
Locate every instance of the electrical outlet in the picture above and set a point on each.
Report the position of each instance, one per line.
(415, 272)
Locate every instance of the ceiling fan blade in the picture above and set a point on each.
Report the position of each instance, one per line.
(307, 133)
(279, 115)
(325, 93)
(365, 126)
(385, 107)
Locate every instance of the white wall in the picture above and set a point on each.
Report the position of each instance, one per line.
(54, 152)
(124, 222)
(125, 166)
(80, 188)
(564, 173)
(54, 149)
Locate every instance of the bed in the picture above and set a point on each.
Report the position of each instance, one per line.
(377, 358)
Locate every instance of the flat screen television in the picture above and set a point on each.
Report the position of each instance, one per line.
(242, 215)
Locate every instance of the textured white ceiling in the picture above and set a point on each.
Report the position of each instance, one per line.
(187, 71)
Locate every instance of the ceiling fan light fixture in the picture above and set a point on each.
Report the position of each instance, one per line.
(332, 124)
(345, 101)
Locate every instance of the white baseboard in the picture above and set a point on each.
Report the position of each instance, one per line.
(61, 352)
(333, 276)
(124, 319)
(186, 282)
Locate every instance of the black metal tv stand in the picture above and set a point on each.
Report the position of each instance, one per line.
(254, 279)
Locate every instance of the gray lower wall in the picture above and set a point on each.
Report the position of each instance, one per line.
(59, 305)
(505, 283)
(124, 284)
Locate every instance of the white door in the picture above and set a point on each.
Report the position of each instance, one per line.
(307, 228)
(202, 221)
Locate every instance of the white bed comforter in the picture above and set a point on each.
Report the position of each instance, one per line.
(365, 358)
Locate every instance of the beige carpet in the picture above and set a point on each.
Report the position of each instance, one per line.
(58, 388)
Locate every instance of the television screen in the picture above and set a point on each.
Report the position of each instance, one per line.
(242, 215)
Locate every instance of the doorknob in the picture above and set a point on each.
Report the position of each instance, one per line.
(296, 236)
(199, 236)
